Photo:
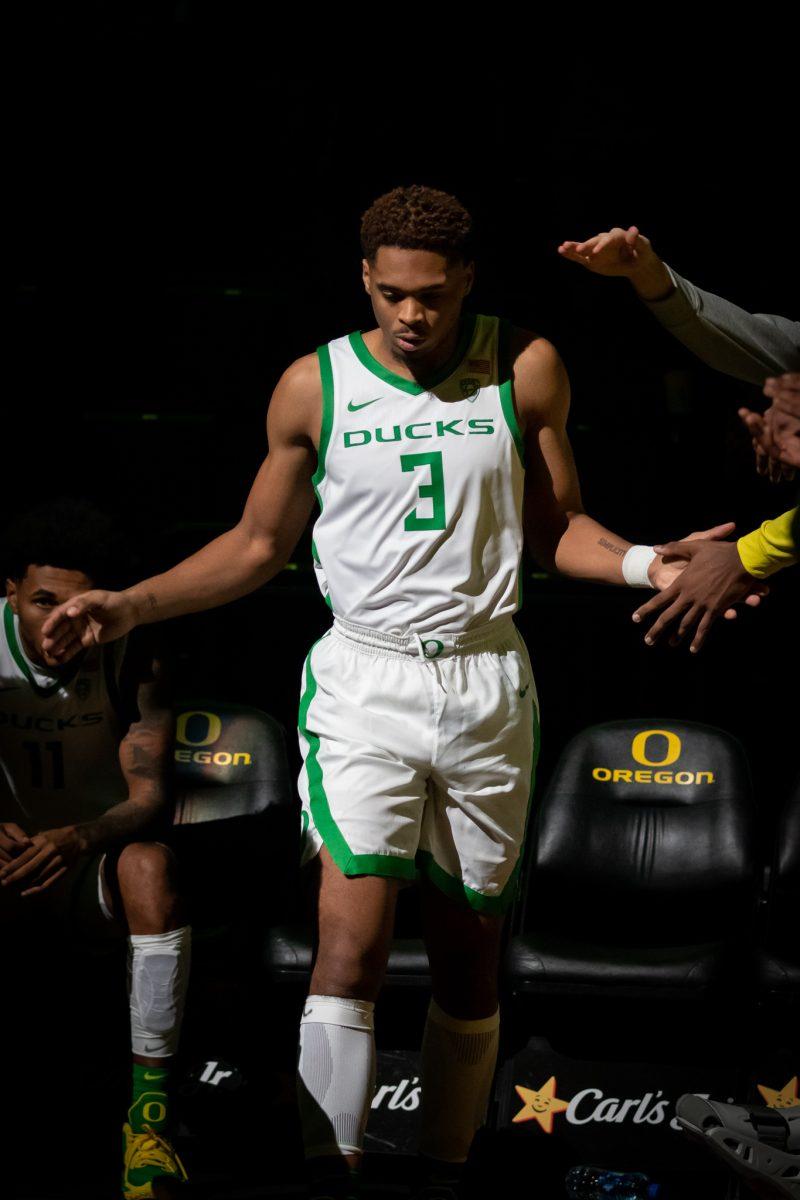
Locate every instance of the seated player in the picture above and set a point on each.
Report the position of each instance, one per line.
(85, 753)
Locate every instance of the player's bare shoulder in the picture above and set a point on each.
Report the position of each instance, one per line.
(295, 408)
(541, 385)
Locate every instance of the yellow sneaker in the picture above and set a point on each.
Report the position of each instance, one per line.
(147, 1156)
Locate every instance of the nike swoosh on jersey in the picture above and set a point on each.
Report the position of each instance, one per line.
(351, 407)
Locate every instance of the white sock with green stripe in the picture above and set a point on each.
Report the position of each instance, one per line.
(458, 1062)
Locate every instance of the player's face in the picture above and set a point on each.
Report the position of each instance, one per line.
(417, 297)
(35, 596)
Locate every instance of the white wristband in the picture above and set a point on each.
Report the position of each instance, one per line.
(635, 564)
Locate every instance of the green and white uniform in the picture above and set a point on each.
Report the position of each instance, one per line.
(418, 708)
(59, 735)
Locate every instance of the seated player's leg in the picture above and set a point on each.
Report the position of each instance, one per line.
(141, 883)
(336, 1066)
(459, 1047)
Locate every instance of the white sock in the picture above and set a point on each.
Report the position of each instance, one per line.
(158, 975)
(335, 1074)
(458, 1062)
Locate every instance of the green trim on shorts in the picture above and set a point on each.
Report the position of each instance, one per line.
(456, 889)
(390, 865)
(332, 836)
(459, 891)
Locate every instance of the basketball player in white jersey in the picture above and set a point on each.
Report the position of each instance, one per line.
(85, 754)
(432, 442)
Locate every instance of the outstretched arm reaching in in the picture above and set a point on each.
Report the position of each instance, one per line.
(238, 561)
(559, 532)
(749, 346)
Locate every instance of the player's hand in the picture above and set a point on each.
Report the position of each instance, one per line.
(13, 841)
(779, 433)
(44, 861)
(767, 461)
(784, 392)
(663, 574)
(625, 252)
(712, 579)
(86, 620)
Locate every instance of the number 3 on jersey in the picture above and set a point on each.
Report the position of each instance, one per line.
(433, 491)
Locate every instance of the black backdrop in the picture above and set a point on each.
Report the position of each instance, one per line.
(186, 184)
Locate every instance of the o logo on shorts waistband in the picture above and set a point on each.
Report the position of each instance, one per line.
(639, 748)
(438, 647)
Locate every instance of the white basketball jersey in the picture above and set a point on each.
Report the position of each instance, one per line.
(59, 734)
(420, 488)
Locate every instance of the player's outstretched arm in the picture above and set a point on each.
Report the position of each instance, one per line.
(238, 561)
(560, 533)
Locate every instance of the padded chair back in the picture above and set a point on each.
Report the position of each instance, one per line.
(644, 835)
(236, 826)
(230, 762)
(784, 893)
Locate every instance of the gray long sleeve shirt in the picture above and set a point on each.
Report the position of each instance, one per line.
(749, 346)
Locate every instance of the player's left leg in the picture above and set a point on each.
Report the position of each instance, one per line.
(470, 856)
(142, 884)
(459, 1048)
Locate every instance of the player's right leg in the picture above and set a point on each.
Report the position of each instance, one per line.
(336, 1065)
(140, 888)
(365, 734)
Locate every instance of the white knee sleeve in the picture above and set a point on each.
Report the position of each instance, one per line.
(458, 1062)
(158, 975)
(335, 1074)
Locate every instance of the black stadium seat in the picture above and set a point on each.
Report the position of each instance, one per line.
(236, 824)
(230, 761)
(289, 949)
(640, 864)
(779, 954)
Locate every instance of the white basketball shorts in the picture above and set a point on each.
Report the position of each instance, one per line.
(419, 755)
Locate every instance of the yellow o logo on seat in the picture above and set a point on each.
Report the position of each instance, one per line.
(639, 748)
(212, 733)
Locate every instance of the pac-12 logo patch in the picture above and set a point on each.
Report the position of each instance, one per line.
(470, 387)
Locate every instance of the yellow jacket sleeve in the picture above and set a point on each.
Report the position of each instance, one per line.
(773, 546)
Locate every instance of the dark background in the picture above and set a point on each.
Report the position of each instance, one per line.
(186, 185)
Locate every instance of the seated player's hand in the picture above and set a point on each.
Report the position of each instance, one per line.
(712, 579)
(617, 252)
(44, 861)
(13, 841)
(86, 620)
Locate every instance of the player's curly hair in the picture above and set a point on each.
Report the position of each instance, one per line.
(418, 218)
(69, 533)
